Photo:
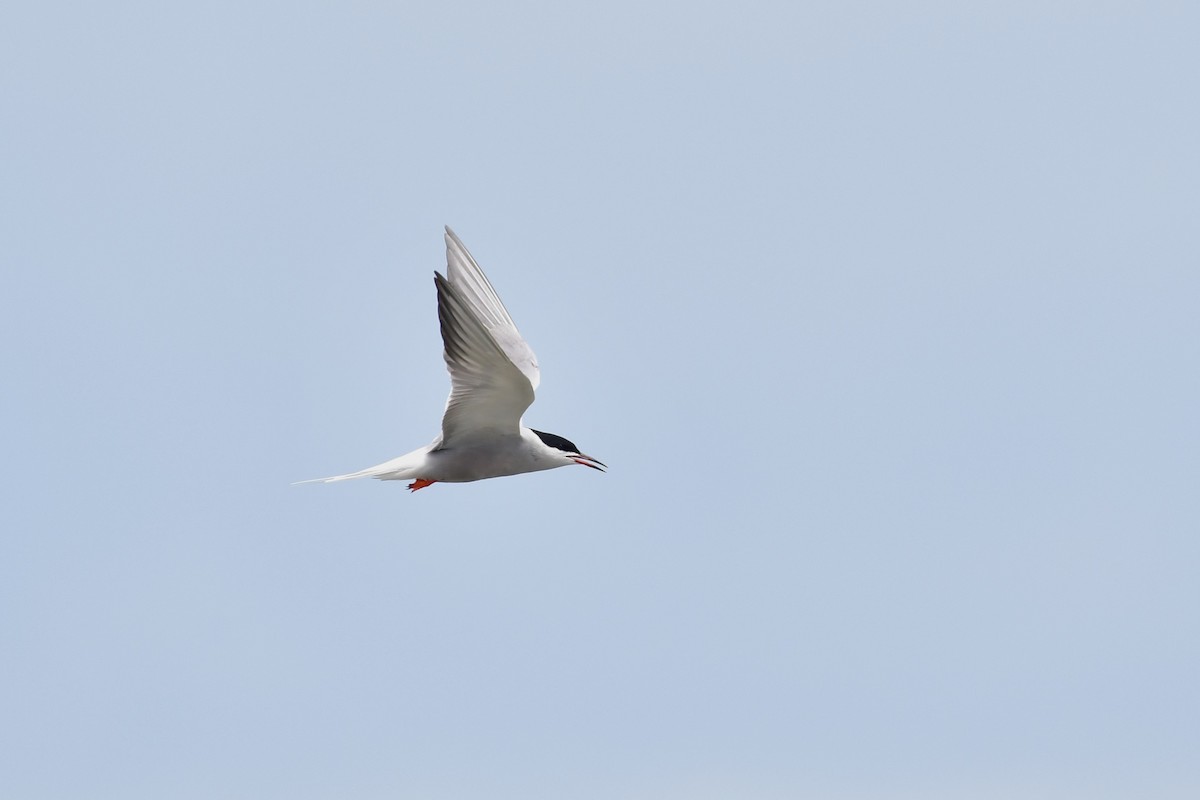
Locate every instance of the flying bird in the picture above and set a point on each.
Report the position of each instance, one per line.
(493, 375)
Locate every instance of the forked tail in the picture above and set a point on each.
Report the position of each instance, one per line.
(398, 469)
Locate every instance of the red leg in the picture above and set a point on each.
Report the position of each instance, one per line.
(420, 483)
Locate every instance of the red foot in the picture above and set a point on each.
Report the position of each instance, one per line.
(420, 483)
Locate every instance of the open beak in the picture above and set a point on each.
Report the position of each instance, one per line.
(588, 461)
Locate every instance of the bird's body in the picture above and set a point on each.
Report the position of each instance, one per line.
(493, 374)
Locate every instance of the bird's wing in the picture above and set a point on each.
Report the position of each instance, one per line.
(493, 372)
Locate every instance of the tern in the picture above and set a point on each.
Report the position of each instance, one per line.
(493, 375)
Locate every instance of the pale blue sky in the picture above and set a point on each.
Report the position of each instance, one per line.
(884, 317)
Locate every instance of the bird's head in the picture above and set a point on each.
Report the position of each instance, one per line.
(569, 450)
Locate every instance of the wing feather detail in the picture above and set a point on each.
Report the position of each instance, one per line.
(493, 372)
(465, 275)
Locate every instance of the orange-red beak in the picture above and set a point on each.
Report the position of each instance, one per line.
(588, 461)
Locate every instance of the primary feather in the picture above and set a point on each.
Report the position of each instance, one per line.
(493, 372)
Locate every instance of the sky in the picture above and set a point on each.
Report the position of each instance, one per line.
(882, 315)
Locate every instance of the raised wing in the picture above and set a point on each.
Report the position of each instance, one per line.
(493, 372)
